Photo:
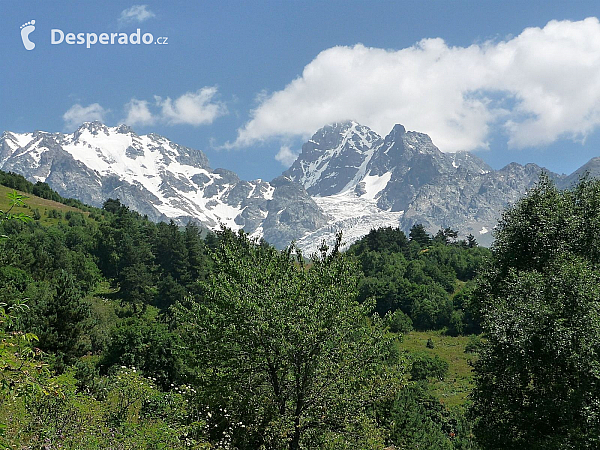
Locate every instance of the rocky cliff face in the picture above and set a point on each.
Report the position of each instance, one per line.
(360, 178)
(347, 178)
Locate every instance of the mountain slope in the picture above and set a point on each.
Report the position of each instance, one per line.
(347, 178)
(158, 178)
(401, 180)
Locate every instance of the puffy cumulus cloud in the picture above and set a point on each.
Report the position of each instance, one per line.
(539, 86)
(77, 114)
(135, 14)
(286, 156)
(138, 113)
(193, 108)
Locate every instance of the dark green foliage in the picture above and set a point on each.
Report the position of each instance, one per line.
(15, 181)
(537, 382)
(152, 264)
(40, 189)
(241, 335)
(415, 419)
(401, 275)
(112, 206)
(383, 240)
(419, 234)
(398, 322)
(474, 345)
(446, 236)
(169, 292)
(58, 316)
(464, 318)
(198, 262)
(145, 344)
(43, 190)
(471, 241)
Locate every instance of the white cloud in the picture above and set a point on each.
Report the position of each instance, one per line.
(286, 156)
(138, 113)
(539, 86)
(137, 13)
(192, 108)
(78, 114)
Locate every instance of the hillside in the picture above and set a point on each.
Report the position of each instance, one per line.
(33, 203)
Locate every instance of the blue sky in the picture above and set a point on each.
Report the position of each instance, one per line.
(247, 82)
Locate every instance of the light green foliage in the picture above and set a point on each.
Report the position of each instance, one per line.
(538, 375)
(15, 200)
(285, 355)
(233, 342)
(458, 383)
(19, 364)
(128, 412)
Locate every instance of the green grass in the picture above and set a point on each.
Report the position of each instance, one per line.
(32, 203)
(457, 385)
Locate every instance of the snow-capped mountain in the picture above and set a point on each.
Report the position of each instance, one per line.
(159, 178)
(364, 181)
(347, 178)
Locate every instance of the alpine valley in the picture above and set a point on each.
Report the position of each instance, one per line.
(347, 178)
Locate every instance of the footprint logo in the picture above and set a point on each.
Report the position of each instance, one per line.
(26, 30)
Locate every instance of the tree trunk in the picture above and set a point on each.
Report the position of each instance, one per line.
(295, 442)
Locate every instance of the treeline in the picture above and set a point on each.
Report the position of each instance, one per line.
(39, 189)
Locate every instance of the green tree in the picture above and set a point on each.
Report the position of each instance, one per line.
(285, 354)
(58, 316)
(199, 263)
(146, 344)
(471, 241)
(538, 374)
(419, 234)
(170, 251)
(446, 235)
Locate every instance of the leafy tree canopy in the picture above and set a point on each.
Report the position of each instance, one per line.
(538, 377)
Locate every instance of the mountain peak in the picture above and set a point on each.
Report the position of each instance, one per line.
(395, 135)
(332, 158)
(93, 127)
(124, 129)
(398, 129)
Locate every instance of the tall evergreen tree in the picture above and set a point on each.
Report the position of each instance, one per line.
(419, 234)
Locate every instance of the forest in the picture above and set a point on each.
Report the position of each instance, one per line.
(117, 332)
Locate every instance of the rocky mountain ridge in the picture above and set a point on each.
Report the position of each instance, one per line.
(405, 179)
(347, 178)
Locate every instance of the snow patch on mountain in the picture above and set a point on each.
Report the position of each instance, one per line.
(354, 215)
(374, 184)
